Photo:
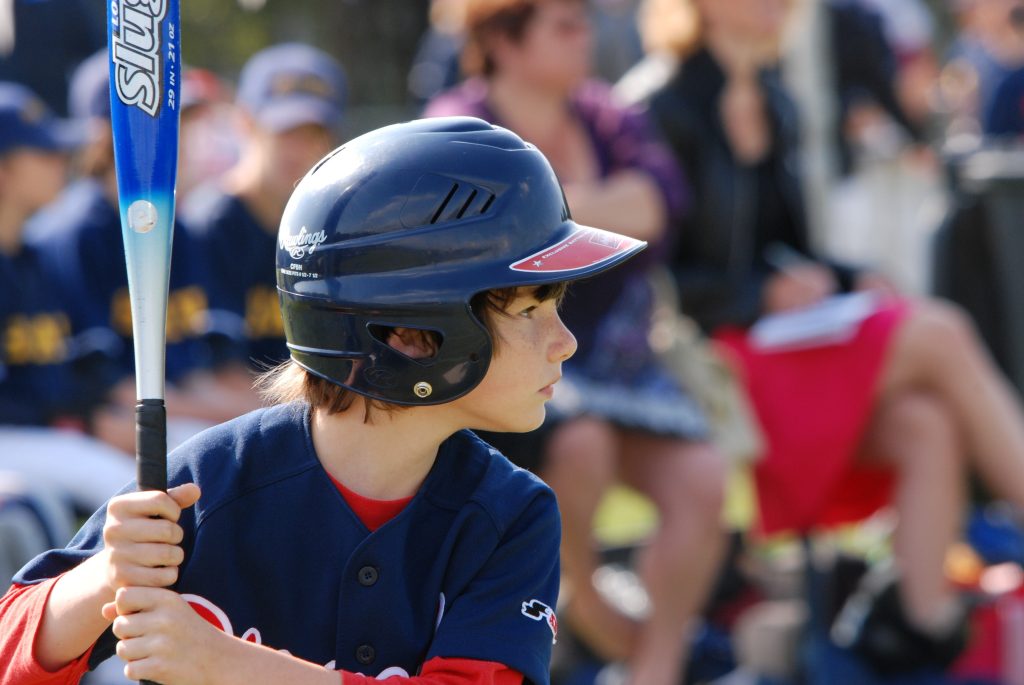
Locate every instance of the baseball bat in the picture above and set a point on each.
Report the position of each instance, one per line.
(144, 48)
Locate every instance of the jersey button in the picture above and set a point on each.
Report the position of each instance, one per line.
(368, 576)
(365, 654)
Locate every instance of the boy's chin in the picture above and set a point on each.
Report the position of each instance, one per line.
(517, 424)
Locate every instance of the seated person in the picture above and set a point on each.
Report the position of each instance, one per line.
(896, 414)
(620, 415)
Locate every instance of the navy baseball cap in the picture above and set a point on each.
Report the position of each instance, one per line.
(26, 121)
(292, 84)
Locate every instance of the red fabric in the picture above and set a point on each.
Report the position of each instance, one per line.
(374, 513)
(21, 616)
(814, 406)
(440, 671)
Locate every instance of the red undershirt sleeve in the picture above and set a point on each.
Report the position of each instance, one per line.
(441, 671)
(21, 616)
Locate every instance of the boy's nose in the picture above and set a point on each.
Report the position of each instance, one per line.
(564, 345)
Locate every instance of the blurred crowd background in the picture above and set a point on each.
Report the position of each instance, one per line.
(790, 448)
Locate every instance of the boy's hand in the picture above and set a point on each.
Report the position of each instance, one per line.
(161, 638)
(141, 550)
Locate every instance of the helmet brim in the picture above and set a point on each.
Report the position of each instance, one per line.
(585, 251)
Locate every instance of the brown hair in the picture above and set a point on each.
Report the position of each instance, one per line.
(289, 382)
(487, 19)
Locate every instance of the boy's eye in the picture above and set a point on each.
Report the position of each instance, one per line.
(526, 313)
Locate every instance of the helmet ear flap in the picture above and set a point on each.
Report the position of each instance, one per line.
(365, 358)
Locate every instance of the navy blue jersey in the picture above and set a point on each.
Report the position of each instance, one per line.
(241, 255)
(469, 569)
(35, 343)
(1005, 115)
(80, 236)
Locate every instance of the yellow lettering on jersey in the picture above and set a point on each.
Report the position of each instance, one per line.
(263, 313)
(186, 309)
(121, 313)
(38, 339)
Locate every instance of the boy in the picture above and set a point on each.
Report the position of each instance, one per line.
(360, 526)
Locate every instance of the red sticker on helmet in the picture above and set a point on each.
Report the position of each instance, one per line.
(585, 248)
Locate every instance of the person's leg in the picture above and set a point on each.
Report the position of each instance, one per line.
(678, 566)
(917, 435)
(937, 351)
(579, 465)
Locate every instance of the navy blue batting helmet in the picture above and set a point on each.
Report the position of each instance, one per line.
(402, 227)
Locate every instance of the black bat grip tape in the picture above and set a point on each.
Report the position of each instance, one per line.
(151, 448)
(151, 444)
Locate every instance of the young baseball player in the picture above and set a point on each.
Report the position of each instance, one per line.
(357, 525)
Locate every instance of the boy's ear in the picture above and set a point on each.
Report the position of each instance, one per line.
(412, 342)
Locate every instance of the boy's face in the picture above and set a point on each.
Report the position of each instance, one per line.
(291, 153)
(32, 177)
(533, 343)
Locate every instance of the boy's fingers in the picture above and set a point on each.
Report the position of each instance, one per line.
(144, 504)
(143, 577)
(128, 627)
(185, 495)
(142, 530)
(130, 600)
(156, 555)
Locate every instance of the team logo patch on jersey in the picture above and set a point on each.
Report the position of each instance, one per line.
(539, 611)
(585, 248)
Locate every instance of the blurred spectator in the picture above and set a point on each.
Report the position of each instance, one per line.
(910, 32)
(617, 44)
(80, 237)
(39, 388)
(42, 41)
(987, 48)
(619, 413)
(894, 409)
(436, 67)
(436, 64)
(210, 141)
(1006, 115)
(291, 99)
(863, 75)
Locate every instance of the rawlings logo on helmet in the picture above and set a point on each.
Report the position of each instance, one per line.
(298, 245)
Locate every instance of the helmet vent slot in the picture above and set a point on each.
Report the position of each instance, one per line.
(469, 201)
(447, 199)
(487, 204)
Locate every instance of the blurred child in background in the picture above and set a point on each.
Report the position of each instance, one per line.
(291, 99)
(46, 411)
